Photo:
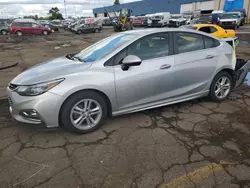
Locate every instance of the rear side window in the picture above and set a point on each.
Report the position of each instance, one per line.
(188, 42)
(208, 29)
(210, 42)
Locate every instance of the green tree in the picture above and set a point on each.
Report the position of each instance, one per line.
(117, 2)
(55, 14)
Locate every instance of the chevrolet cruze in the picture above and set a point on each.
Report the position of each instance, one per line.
(124, 73)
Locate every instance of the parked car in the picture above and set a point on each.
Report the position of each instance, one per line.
(202, 19)
(57, 23)
(124, 73)
(212, 29)
(140, 21)
(177, 20)
(230, 20)
(51, 26)
(21, 28)
(88, 28)
(160, 19)
(4, 28)
(243, 14)
(241, 18)
(149, 19)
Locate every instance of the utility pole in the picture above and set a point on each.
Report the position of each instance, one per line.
(65, 9)
(219, 4)
(248, 11)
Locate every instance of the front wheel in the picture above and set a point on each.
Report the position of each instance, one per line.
(221, 87)
(4, 32)
(84, 112)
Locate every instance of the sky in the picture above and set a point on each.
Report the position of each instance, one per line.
(75, 8)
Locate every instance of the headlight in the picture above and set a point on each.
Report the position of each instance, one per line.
(37, 89)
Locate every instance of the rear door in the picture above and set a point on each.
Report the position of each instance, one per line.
(195, 62)
(150, 82)
(27, 28)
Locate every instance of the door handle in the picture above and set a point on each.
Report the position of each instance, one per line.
(166, 66)
(210, 57)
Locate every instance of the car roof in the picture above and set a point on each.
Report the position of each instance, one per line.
(143, 32)
(202, 25)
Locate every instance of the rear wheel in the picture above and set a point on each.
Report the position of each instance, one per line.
(96, 30)
(84, 112)
(19, 33)
(221, 87)
(45, 32)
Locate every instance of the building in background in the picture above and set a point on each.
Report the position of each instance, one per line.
(144, 7)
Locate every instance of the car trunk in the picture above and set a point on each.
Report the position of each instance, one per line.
(242, 68)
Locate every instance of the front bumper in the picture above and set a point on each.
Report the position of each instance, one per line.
(46, 106)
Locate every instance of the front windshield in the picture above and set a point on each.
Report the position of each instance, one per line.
(175, 17)
(229, 16)
(104, 47)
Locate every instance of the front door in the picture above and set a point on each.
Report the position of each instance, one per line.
(35, 29)
(195, 63)
(150, 82)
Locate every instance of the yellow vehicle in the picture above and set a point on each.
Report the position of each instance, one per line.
(215, 30)
(212, 29)
(123, 21)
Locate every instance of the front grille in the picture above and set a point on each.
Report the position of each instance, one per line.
(12, 87)
(10, 101)
(227, 23)
(172, 22)
(155, 21)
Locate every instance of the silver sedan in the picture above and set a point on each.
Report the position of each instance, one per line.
(124, 73)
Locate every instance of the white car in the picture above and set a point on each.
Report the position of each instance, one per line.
(230, 20)
(177, 20)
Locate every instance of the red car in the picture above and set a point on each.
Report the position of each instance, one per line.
(21, 28)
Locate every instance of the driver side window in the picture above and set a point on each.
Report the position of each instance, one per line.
(150, 47)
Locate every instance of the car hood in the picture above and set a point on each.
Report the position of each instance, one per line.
(50, 70)
(174, 19)
(228, 20)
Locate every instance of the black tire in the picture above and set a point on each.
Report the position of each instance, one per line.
(4, 32)
(96, 30)
(72, 100)
(212, 94)
(79, 32)
(45, 33)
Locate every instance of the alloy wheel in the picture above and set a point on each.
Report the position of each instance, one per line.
(222, 87)
(86, 114)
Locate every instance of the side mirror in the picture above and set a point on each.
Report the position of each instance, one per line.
(130, 60)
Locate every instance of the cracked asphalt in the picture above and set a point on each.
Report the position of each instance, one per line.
(187, 145)
(191, 144)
